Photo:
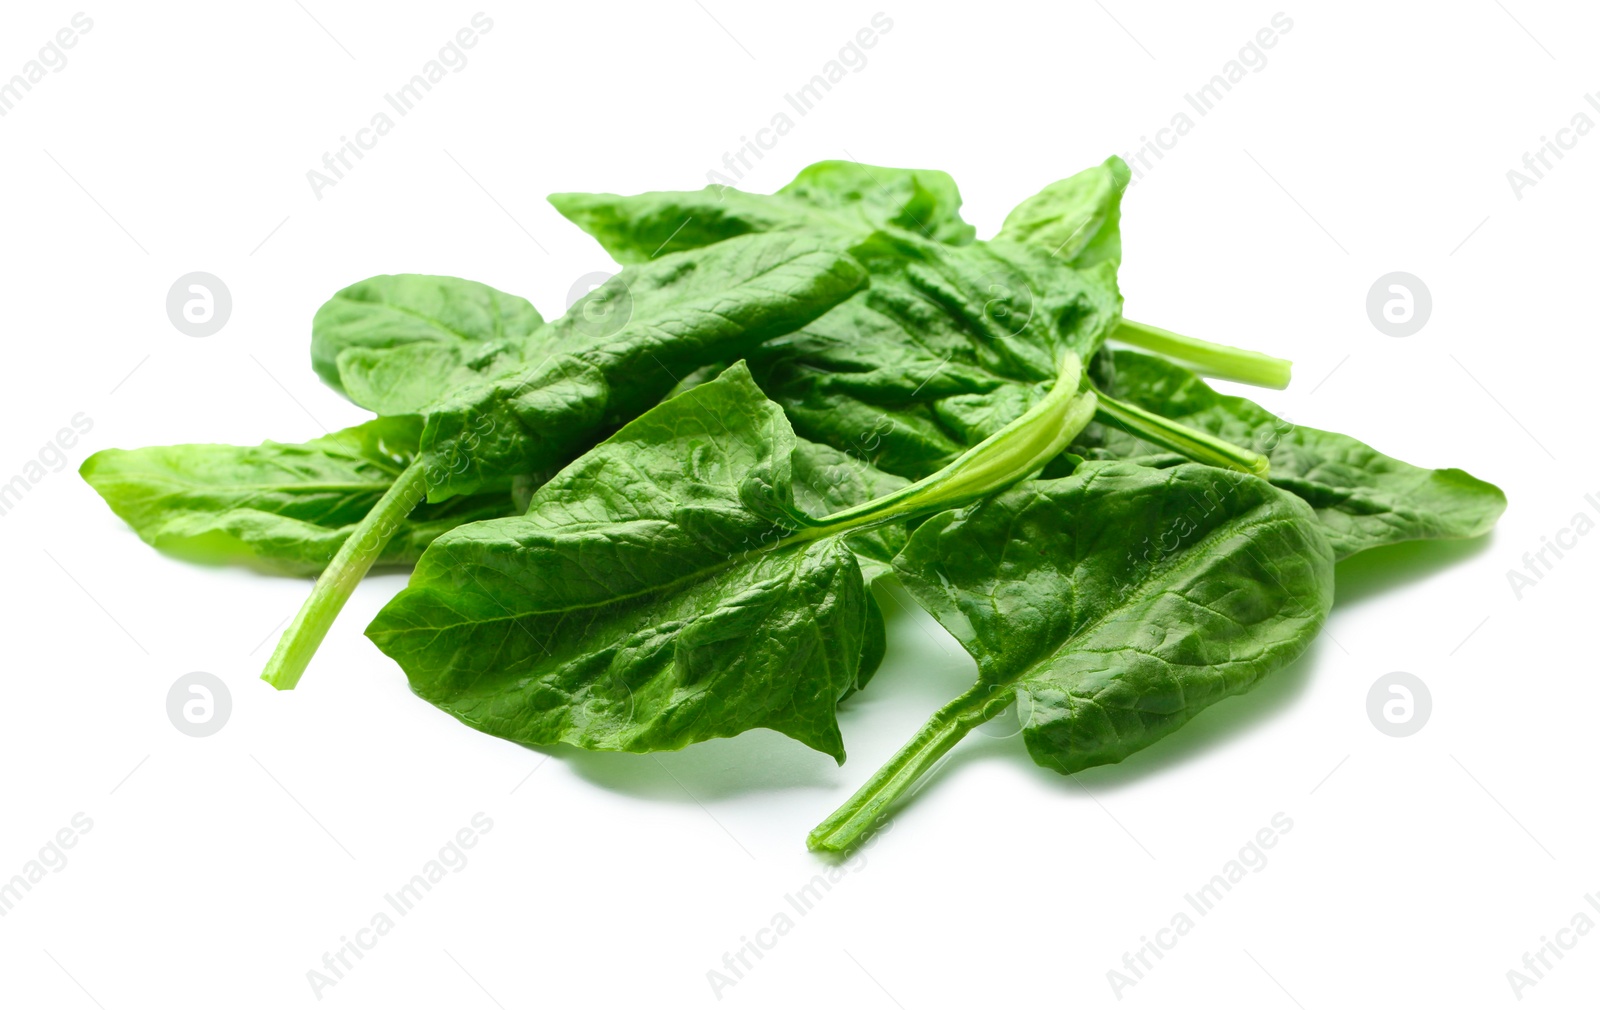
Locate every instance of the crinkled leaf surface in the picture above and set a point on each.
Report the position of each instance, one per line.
(1120, 601)
(393, 343)
(947, 346)
(645, 601)
(827, 481)
(842, 200)
(279, 506)
(1363, 497)
(662, 320)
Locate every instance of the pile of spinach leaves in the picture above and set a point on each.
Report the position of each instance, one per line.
(657, 519)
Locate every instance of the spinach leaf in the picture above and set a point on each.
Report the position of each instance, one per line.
(392, 343)
(667, 588)
(842, 200)
(946, 346)
(1077, 218)
(685, 310)
(624, 543)
(827, 481)
(1111, 606)
(1362, 497)
(638, 604)
(284, 508)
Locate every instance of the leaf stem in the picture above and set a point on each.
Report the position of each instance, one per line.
(997, 462)
(334, 586)
(1216, 360)
(1169, 434)
(864, 812)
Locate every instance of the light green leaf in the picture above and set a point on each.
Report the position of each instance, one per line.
(1077, 218)
(444, 320)
(285, 508)
(839, 201)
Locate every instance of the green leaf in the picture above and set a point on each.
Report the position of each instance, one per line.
(828, 481)
(667, 587)
(1111, 606)
(922, 201)
(946, 346)
(840, 200)
(444, 322)
(663, 320)
(874, 645)
(1363, 498)
(1077, 218)
(285, 508)
(619, 349)
(641, 603)
(1122, 600)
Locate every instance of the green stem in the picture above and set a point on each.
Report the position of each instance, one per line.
(1169, 434)
(999, 461)
(1216, 360)
(864, 812)
(355, 556)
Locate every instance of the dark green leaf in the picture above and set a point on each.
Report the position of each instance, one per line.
(643, 602)
(521, 411)
(828, 481)
(1122, 600)
(663, 320)
(946, 346)
(874, 644)
(1111, 606)
(1363, 498)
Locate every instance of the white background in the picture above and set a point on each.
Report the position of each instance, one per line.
(219, 870)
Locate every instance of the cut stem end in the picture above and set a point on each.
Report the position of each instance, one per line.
(1218, 361)
(334, 586)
